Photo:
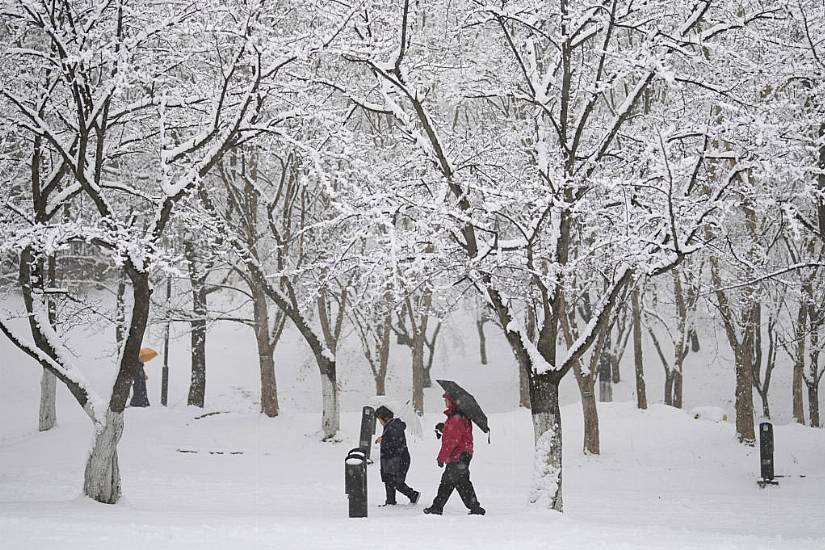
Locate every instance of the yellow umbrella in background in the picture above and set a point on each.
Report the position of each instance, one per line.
(147, 354)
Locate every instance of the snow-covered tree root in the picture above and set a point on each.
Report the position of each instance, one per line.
(101, 480)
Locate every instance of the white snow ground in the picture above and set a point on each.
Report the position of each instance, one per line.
(663, 480)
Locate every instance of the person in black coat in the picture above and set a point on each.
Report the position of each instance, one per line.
(395, 457)
(139, 397)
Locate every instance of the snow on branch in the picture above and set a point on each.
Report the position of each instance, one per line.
(698, 13)
(537, 361)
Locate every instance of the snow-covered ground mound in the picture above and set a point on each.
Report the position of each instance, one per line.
(238, 480)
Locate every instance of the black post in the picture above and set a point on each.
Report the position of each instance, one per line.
(766, 454)
(355, 483)
(367, 430)
(164, 384)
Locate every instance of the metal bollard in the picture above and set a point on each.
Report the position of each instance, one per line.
(766, 450)
(367, 430)
(355, 482)
(766, 454)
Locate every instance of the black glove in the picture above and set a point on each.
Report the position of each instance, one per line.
(440, 464)
(439, 429)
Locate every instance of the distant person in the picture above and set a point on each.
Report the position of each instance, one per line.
(139, 397)
(455, 456)
(139, 378)
(395, 457)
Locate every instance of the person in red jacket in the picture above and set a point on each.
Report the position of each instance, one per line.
(455, 456)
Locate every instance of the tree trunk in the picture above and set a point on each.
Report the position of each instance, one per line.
(418, 371)
(591, 422)
(383, 356)
(605, 375)
(680, 350)
(523, 372)
(586, 381)
(428, 382)
(325, 357)
(744, 392)
(615, 370)
(766, 409)
(677, 388)
(266, 361)
(426, 379)
(669, 387)
(120, 311)
(31, 282)
(761, 382)
(101, 481)
(523, 388)
(47, 417)
(546, 490)
(798, 402)
(605, 386)
(641, 394)
(260, 311)
(102, 476)
(197, 385)
(482, 341)
(799, 366)
(813, 404)
(269, 389)
(330, 421)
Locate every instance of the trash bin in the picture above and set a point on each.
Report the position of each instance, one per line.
(766, 451)
(355, 482)
(367, 430)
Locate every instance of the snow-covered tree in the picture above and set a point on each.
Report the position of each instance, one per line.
(506, 142)
(138, 112)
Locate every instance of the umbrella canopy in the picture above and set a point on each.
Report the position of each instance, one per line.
(147, 354)
(466, 403)
(403, 411)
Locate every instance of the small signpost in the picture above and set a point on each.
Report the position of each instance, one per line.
(367, 430)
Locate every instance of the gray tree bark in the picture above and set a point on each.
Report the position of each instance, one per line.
(197, 279)
(638, 360)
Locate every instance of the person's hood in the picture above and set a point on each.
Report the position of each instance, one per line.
(452, 408)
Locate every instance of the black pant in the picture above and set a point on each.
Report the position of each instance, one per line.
(401, 487)
(456, 476)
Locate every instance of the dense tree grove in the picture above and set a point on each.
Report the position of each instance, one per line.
(584, 174)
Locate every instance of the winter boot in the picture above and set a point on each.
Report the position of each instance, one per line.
(415, 496)
(477, 511)
(433, 510)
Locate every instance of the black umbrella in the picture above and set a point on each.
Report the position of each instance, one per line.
(466, 403)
